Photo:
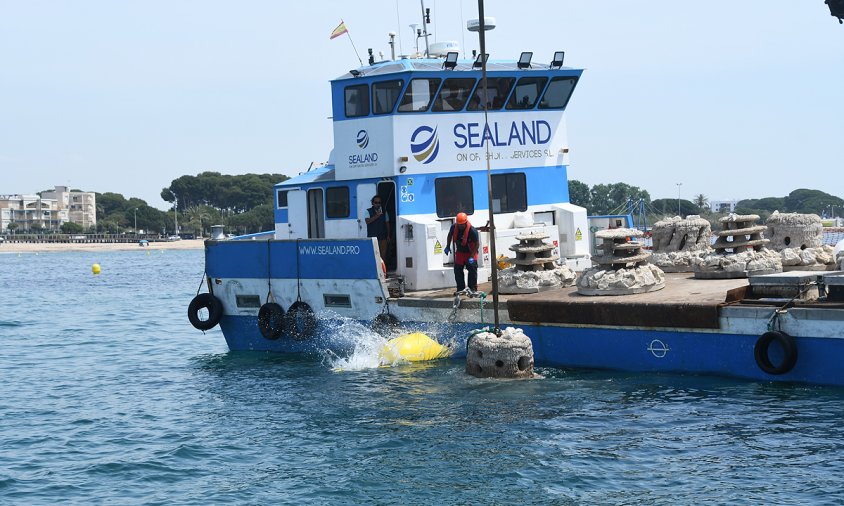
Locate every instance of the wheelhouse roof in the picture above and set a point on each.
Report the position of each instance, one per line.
(318, 175)
(434, 65)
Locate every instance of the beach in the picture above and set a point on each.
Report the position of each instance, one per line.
(56, 247)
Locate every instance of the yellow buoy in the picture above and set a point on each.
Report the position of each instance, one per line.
(414, 347)
(95, 269)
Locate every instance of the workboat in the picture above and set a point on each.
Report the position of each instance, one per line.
(432, 138)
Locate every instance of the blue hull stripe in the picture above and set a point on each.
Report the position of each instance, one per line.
(317, 259)
(614, 349)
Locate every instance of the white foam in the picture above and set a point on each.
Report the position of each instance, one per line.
(363, 343)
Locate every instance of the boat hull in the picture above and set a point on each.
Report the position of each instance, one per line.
(643, 333)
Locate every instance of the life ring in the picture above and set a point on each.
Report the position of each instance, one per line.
(789, 347)
(385, 323)
(209, 302)
(300, 322)
(271, 321)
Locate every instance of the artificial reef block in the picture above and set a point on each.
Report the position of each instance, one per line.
(509, 355)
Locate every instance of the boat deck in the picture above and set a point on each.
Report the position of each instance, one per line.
(684, 302)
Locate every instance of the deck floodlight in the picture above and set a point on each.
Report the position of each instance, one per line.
(450, 60)
(480, 60)
(524, 60)
(557, 62)
(836, 8)
(354, 72)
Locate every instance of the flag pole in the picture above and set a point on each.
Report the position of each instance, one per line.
(353, 46)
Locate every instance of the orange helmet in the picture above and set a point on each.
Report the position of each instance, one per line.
(462, 218)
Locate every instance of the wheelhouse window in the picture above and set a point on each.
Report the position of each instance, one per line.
(337, 202)
(282, 198)
(509, 193)
(385, 95)
(496, 94)
(453, 95)
(454, 195)
(558, 93)
(357, 100)
(527, 92)
(419, 94)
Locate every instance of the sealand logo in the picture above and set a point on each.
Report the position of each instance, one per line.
(424, 144)
(362, 139)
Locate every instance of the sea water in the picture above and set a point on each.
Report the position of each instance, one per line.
(108, 395)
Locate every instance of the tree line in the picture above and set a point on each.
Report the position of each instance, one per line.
(622, 198)
(241, 203)
(244, 204)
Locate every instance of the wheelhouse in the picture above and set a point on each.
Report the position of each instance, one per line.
(415, 133)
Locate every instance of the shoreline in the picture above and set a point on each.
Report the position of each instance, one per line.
(61, 247)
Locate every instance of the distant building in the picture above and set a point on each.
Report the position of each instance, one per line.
(30, 212)
(722, 206)
(81, 206)
(49, 211)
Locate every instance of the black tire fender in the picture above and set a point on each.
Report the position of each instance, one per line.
(209, 302)
(271, 321)
(300, 322)
(763, 344)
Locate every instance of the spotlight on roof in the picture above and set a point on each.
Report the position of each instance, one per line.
(836, 8)
(557, 62)
(450, 60)
(355, 73)
(480, 60)
(524, 60)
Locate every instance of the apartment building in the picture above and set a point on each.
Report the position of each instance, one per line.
(48, 211)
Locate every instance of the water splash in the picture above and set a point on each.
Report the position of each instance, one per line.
(361, 346)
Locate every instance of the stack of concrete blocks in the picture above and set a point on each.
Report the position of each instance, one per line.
(799, 240)
(739, 251)
(680, 244)
(535, 267)
(622, 268)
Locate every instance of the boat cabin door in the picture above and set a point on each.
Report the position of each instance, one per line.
(365, 192)
(297, 215)
(316, 214)
(387, 192)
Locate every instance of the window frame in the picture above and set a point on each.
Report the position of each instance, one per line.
(330, 203)
(365, 103)
(575, 79)
(438, 101)
(505, 176)
(409, 87)
(278, 199)
(440, 209)
(479, 87)
(511, 103)
(395, 102)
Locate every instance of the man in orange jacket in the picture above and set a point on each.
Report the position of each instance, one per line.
(466, 242)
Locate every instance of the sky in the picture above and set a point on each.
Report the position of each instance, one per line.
(732, 99)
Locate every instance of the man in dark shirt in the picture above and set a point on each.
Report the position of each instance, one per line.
(466, 242)
(378, 225)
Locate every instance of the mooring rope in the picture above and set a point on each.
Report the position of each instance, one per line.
(298, 276)
(270, 296)
(774, 320)
(204, 276)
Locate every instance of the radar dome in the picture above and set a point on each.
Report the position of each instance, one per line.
(474, 25)
(441, 49)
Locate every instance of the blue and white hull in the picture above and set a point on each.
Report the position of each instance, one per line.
(343, 282)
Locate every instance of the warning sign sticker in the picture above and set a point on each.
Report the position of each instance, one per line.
(438, 248)
(578, 235)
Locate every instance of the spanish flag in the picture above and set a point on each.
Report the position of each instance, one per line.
(340, 30)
